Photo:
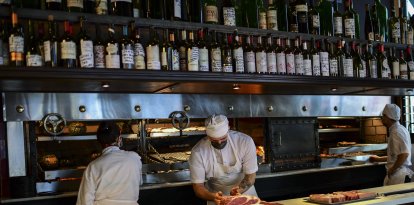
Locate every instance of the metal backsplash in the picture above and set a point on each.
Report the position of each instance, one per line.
(101, 106)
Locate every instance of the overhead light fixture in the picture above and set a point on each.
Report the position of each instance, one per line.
(236, 86)
(105, 85)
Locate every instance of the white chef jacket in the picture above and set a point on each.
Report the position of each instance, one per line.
(113, 178)
(201, 159)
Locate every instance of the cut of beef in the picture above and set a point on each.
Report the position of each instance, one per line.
(244, 200)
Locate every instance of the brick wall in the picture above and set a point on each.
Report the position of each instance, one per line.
(374, 131)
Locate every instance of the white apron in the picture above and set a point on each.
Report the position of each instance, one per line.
(399, 176)
(226, 177)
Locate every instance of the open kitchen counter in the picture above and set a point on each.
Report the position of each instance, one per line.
(388, 195)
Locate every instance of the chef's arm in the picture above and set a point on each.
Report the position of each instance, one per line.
(375, 158)
(246, 183)
(398, 163)
(201, 192)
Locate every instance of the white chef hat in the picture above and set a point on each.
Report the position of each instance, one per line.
(392, 111)
(217, 126)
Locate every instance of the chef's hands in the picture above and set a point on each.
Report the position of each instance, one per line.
(218, 197)
(375, 158)
(235, 191)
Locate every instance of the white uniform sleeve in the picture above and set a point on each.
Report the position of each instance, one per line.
(86, 195)
(249, 159)
(399, 143)
(197, 170)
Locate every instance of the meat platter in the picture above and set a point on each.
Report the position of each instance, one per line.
(341, 197)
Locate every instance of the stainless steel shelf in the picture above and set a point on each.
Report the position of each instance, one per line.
(358, 148)
(79, 137)
(332, 130)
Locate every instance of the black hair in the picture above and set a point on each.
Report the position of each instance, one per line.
(108, 132)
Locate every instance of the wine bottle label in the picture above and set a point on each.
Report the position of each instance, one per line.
(281, 63)
(371, 36)
(164, 56)
(272, 20)
(183, 58)
(316, 65)
(211, 13)
(315, 21)
(216, 60)
(112, 61)
(50, 1)
(294, 28)
(290, 63)
(128, 1)
(324, 59)
(227, 68)
(229, 16)
(403, 71)
(307, 66)
(396, 69)
(193, 58)
(373, 68)
(75, 3)
(177, 8)
(153, 57)
(349, 27)
(386, 73)
(33, 60)
(102, 8)
(348, 67)
(227, 61)
(136, 13)
(333, 65)
(396, 32)
(86, 54)
(175, 58)
(301, 8)
(411, 69)
(262, 20)
(261, 62)
(410, 37)
(203, 60)
(250, 61)
(299, 64)
(338, 25)
(68, 50)
(139, 56)
(127, 53)
(16, 44)
(363, 71)
(99, 52)
(238, 59)
(271, 62)
(46, 47)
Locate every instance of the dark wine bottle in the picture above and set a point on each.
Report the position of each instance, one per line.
(307, 59)
(3, 42)
(127, 50)
(271, 56)
(99, 49)
(67, 47)
(261, 59)
(403, 24)
(340, 58)
(139, 51)
(369, 25)
(348, 62)
(85, 46)
(215, 53)
(394, 25)
(53, 4)
(403, 66)
(112, 54)
(203, 52)
(290, 58)
(89, 6)
(193, 55)
(164, 51)
(153, 51)
(237, 51)
(316, 61)
(314, 21)
(324, 58)
(395, 64)
(337, 21)
(271, 15)
(302, 13)
(298, 58)
(280, 57)
(174, 9)
(121, 7)
(410, 63)
(50, 44)
(292, 17)
(183, 51)
(349, 21)
(16, 42)
(249, 55)
(137, 9)
(371, 62)
(382, 64)
(174, 60)
(33, 56)
(226, 54)
(333, 61)
(375, 23)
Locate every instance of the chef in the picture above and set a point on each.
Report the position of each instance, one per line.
(226, 159)
(399, 148)
(114, 177)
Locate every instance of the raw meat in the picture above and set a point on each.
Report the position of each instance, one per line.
(244, 200)
(343, 196)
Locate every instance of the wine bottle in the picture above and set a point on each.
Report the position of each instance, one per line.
(33, 4)
(68, 47)
(271, 56)
(89, 6)
(403, 66)
(193, 55)
(403, 25)
(203, 51)
(121, 7)
(314, 22)
(410, 63)
(302, 15)
(348, 63)
(410, 33)
(282, 18)
(174, 10)
(185, 10)
(127, 50)
(324, 58)
(262, 15)
(280, 57)
(249, 55)
(165, 51)
(183, 51)
(215, 54)
(340, 58)
(210, 12)
(382, 13)
(139, 51)
(375, 23)
(229, 13)
(326, 15)
(16, 42)
(74, 5)
(173, 55)
(99, 7)
(238, 58)
(292, 17)
(153, 51)
(371, 61)
(333, 61)
(157, 9)
(112, 54)
(290, 58)
(307, 59)
(394, 25)
(250, 14)
(53, 4)
(316, 64)
(337, 20)
(137, 8)
(261, 60)
(356, 19)
(395, 64)
(3, 49)
(85, 46)
(50, 44)
(369, 29)
(33, 57)
(382, 64)
(299, 70)
(271, 15)
(349, 20)
(99, 49)
(226, 54)
(41, 40)
(197, 14)
(358, 68)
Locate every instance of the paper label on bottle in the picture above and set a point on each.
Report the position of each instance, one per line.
(227, 68)
(49, 1)
(16, 44)
(301, 8)
(271, 62)
(348, 67)
(262, 20)
(112, 49)
(216, 60)
(294, 28)
(349, 27)
(139, 56)
(338, 25)
(411, 69)
(113, 61)
(229, 16)
(238, 59)
(261, 62)
(183, 58)
(46, 47)
(316, 65)
(153, 57)
(281, 62)
(193, 58)
(250, 61)
(136, 13)
(203, 60)
(333, 67)
(315, 21)
(403, 71)
(102, 8)
(175, 58)
(373, 69)
(396, 69)
(324, 60)
(127, 55)
(363, 72)
(371, 36)
(33, 60)
(385, 72)
(272, 20)
(290, 63)
(410, 37)
(68, 50)
(99, 56)
(307, 66)
(177, 8)
(396, 32)
(86, 54)
(299, 64)
(211, 13)
(75, 3)
(164, 57)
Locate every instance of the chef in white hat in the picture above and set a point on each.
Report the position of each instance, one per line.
(399, 148)
(223, 163)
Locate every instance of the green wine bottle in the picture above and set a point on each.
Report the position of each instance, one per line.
(325, 10)
(382, 13)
